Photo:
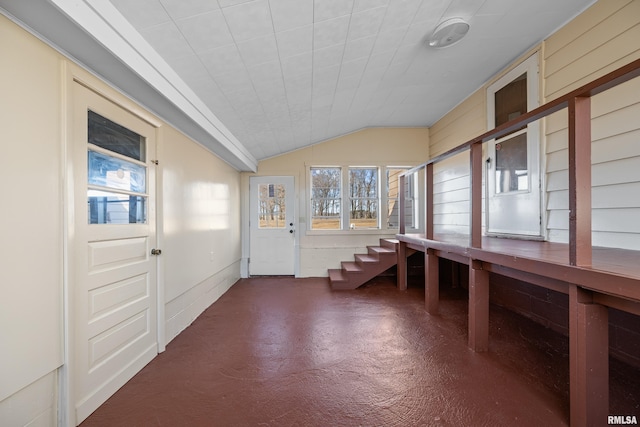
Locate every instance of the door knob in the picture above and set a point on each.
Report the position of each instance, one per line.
(156, 251)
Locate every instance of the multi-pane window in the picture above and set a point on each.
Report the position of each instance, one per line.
(370, 200)
(117, 173)
(326, 198)
(363, 198)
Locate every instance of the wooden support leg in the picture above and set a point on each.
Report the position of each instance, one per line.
(431, 282)
(478, 307)
(401, 269)
(588, 359)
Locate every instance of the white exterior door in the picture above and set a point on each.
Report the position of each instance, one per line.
(272, 225)
(513, 181)
(114, 321)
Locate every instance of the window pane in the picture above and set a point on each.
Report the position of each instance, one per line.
(363, 198)
(511, 100)
(111, 136)
(393, 221)
(325, 198)
(271, 206)
(113, 208)
(411, 201)
(116, 173)
(511, 165)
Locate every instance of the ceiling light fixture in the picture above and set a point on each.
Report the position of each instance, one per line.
(448, 33)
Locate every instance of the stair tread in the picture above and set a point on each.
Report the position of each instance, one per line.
(366, 258)
(389, 243)
(335, 275)
(351, 267)
(381, 249)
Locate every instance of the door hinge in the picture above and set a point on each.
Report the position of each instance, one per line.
(155, 162)
(156, 251)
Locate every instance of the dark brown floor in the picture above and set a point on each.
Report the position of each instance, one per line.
(290, 352)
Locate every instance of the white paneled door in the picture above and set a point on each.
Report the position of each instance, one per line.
(113, 293)
(272, 225)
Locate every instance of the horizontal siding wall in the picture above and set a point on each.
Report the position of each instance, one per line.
(451, 202)
(600, 40)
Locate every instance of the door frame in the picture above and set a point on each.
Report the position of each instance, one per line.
(246, 229)
(71, 75)
(530, 65)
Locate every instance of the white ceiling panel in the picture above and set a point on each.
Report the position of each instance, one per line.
(179, 9)
(329, 9)
(282, 74)
(359, 48)
(366, 23)
(205, 31)
(330, 32)
(249, 20)
(167, 40)
(328, 56)
(259, 50)
(225, 59)
(295, 41)
(288, 14)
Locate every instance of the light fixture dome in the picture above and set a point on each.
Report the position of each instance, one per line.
(448, 33)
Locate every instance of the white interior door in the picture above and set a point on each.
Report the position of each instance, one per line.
(513, 181)
(272, 225)
(114, 288)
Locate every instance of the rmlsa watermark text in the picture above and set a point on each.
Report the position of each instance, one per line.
(622, 420)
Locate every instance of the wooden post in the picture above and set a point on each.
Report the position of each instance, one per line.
(478, 307)
(588, 359)
(431, 282)
(580, 181)
(476, 195)
(401, 204)
(401, 266)
(428, 227)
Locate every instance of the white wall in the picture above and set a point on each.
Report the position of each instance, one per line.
(30, 215)
(201, 229)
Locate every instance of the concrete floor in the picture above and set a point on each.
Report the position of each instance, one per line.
(290, 352)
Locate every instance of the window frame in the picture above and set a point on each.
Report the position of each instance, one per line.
(382, 200)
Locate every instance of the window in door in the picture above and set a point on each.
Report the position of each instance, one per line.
(272, 208)
(512, 171)
(117, 173)
(513, 178)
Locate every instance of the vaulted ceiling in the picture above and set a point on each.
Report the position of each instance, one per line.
(264, 77)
